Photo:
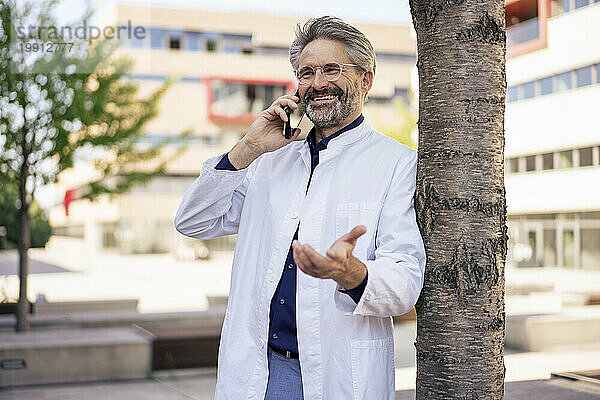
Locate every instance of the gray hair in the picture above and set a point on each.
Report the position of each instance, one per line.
(359, 48)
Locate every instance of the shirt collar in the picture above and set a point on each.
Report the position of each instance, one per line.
(311, 139)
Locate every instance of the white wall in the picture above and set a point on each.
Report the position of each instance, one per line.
(557, 121)
(553, 191)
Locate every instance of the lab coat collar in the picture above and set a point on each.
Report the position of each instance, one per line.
(345, 138)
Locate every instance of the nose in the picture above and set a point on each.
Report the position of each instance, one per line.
(319, 81)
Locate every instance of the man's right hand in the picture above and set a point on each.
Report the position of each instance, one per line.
(265, 133)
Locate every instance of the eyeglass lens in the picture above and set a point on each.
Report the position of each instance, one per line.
(331, 72)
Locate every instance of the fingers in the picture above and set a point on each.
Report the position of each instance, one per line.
(287, 102)
(281, 113)
(276, 109)
(301, 260)
(291, 97)
(354, 234)
(310, 261)
(316, 259)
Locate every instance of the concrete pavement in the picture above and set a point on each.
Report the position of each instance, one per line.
(165, 285)
(200, 386)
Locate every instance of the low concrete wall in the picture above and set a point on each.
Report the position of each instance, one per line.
(113, 319)
(579, 325)
(67, 307)
(64, 356)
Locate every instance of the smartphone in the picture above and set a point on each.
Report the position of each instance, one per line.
(287, 127)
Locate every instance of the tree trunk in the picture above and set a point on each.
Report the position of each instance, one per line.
(459, 199)
(24, 242)
(23, 246)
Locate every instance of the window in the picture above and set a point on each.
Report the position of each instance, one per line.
(156, 39)
(513, 165)
(109, 239)
(512, 94)
(566, 5)
(522, 23)
(590, 248)
(68, 230)
(530, 163)
(584, 76)
(175, 43)
(528, 90)
(235, 43)
(564, 81)
(586, 157)
(211, 45)
(549, 252)
(565, 159)
(192, 41)
(581, 3)
(568, 248)
(548, 161)
(597, 70)
(546, 85)
(240, 99)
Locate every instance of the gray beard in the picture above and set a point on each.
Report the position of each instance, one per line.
(330, 115)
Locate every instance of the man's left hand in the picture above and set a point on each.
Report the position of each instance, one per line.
(338, 264)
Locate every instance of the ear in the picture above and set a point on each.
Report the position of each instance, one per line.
(367, 81)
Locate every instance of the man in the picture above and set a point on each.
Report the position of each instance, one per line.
(327, 249)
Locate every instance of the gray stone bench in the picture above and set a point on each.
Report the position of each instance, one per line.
(74, 355)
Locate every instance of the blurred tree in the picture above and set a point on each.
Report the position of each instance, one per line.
(404, 124)
(40, 229)
(55, 103)
(460, 198)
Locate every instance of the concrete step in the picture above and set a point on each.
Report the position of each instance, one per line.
(74, 355)
(65, 307)
(538, 332)
(112, 319)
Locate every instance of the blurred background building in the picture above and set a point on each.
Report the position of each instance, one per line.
(230, 66)
(553, 133)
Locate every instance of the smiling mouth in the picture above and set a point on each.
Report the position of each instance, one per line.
(323, 98)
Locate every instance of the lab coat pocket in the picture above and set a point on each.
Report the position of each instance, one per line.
(372, 369)
(349, 215)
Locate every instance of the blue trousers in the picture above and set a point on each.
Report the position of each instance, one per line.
(285, 378)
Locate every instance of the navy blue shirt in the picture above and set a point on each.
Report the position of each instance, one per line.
(282, 315)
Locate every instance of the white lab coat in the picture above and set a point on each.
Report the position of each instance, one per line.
(346, 349)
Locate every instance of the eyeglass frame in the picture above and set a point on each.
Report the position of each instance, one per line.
(342, 65)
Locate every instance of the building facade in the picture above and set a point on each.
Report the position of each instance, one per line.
(229, 67)
(552, 127)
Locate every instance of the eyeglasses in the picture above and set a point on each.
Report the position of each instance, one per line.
(331, 71)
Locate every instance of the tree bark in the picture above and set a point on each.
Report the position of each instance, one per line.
(459, 199)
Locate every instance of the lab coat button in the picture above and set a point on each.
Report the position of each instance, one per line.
(294, 215)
